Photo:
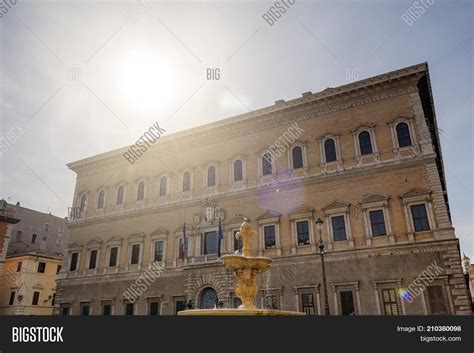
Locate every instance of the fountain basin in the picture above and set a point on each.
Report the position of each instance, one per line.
(235, 262)
(238, 312)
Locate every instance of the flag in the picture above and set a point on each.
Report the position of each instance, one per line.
(219, 239)
(184, 244)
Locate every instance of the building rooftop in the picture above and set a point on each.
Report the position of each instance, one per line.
(279, 105)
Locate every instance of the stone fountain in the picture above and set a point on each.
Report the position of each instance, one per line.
(246, 268)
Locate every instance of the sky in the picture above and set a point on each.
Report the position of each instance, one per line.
(79, 78)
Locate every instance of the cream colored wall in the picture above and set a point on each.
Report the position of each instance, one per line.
(29, 280)
(316, 191)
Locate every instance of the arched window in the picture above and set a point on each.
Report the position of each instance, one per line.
(100, 202)
(267, 164)
(120, 195)
(211, 176)
(141, 191)
(163, 186)
(83, 205)
(186, 181)
(365, 143)
(297, 154)
(330, 150)
(403, 135)
(238, 173)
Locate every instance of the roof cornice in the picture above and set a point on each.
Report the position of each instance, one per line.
(278, 111)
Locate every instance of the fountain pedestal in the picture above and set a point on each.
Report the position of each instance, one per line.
(246, 268)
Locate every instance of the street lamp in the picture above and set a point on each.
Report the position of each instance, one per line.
(319, 227)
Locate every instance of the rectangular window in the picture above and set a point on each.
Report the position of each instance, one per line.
(33, 238)
(420, 218)
(65, 310)
(389, 298)
(272, 302)
(18, 266)
(106, 309)
(302, 230)
(339, 228)
(210, 243)
(437, 302)
(85, 309)
(18, 235)
(269, 237)
(93, 259)
(73, 265)
(135, 254)
(46, 227)
(347, 302)
(113, 256)
(307, 304)
(158, 251)
(267, 167)
(36, 296)
(58, 269)
(12, 298)
(41, 267)
(129, 309)
(377, 223)
(237, 242)
(154, 308)
(179, 306)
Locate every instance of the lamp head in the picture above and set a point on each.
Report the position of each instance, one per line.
(319, 224)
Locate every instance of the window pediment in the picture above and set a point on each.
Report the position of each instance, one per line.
(114, 239)
(136, 236)
(95, 241)
(269, 216)
(74, 246)
(160, 231)
(363, 127)
(337, 206)
(301, 211)
(188, 228)
(326, 136)
(373, 198)
(237, 220)
(401, 118)
(416, 194)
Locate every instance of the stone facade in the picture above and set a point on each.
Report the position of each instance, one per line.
(382, 197)
(38, 231)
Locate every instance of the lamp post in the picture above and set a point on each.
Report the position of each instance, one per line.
(319, 227)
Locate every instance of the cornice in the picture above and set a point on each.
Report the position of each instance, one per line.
(235, 194)
(381, 87)
(290, 260)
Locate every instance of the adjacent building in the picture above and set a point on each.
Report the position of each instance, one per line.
(29, 284)
(7, 221)
(38, 231)
(35, 254)
(468, 269)
(364, 157)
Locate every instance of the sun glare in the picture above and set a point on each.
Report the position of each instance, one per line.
(148, 82)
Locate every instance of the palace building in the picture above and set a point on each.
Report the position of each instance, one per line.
(364, 157)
